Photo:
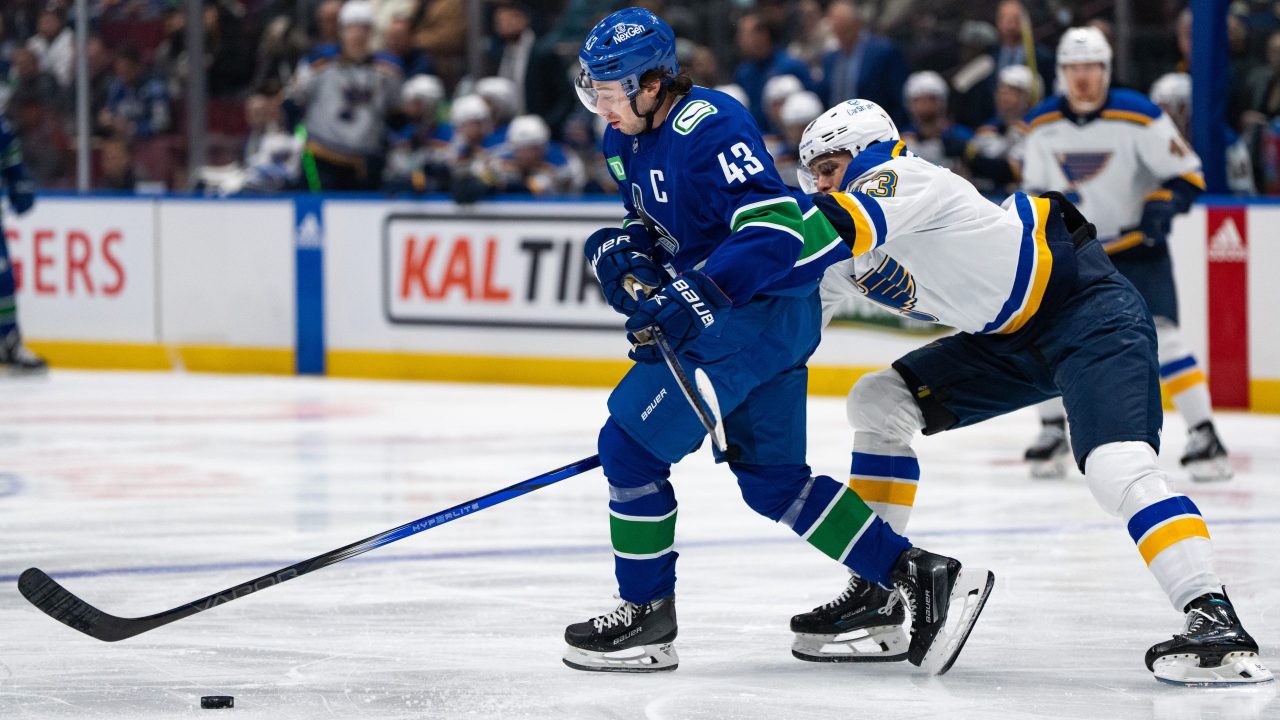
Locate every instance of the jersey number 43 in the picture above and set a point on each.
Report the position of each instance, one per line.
(733, 173)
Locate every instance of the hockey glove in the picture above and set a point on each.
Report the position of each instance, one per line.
(1157, 219)
(621, 261)
(683, 309)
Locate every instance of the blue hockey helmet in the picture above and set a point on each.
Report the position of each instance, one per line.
(623, 47)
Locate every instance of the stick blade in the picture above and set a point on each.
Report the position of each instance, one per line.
(62, 605)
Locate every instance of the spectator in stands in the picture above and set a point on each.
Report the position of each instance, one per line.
(500, 95)
(531, 65)
(1011, 16)
(46, 149)
(54, 45)
(116, 165)
(398, 41)
(582, 139)
(698, 61)
(529, 163)
(1263, 86)
(328, 30)
(263, 118)
(931, 134)
(995, 153)
(863, 65)
(228, 58)
(137, 104)
(763, 57)
(440, 30)
(100, 60)
(416, 149)
(346, 97)
(28, 84)
(812, 37)
(279, 51)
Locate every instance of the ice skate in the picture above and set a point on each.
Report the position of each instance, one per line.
(1213, 648)
(17, 359)
(944, 602)
(632, 638)
(862, 624)
(1205, 457)
(1049, 452)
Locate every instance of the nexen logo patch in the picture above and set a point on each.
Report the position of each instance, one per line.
(626, 31)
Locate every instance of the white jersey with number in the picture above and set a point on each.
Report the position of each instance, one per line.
(927, 245)
(1109, 162)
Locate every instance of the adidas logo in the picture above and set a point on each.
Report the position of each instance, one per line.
(1227, 245)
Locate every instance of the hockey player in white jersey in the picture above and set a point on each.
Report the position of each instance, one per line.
(1041, 311)
(1117, 155)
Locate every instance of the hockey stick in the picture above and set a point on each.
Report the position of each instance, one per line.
(60, 604)
(710, 418)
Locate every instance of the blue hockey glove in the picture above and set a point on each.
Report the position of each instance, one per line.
(621, 261)
(1157, 219)
(684, 308)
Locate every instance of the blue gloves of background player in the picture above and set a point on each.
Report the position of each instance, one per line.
(683, 309)
(1157, 220)
(616, 254)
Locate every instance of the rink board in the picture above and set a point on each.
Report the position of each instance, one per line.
(493, 293)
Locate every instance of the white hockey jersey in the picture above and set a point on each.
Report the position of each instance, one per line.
(1109, 162)
(927, 245)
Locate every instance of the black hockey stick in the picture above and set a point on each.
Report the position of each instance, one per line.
(709, 413)
(60, 604)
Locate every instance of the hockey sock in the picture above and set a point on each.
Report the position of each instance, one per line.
(642, 517)
(833, 519)
(1181, 378)
(884, 474)
(1167, 528)
(8, 304)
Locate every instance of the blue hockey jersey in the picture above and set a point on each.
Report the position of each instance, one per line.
(704, 185)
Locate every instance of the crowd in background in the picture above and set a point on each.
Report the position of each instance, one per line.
(374, 95)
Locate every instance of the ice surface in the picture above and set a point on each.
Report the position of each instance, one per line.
(143, 491)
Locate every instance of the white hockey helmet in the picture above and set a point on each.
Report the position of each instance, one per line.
(468, 108)
(1017, 76)
(851, 126)
(1172, 89)
(426, 88)
(500, 92)
(800, 108)
(355, 12)
(779, 87)
(528, 131)
(1084, 45)
(736, 92)
(925, 83)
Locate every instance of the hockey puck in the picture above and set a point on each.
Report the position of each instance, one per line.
(217, 702)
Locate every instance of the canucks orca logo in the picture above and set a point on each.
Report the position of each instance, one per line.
(892, 286)
(664, 238)
(1081, 167)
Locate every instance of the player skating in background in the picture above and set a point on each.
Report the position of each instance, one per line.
(734, 258)
(15, 358)
(1117, 155)
(1041, 311)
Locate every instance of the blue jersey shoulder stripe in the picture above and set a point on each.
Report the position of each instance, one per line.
(1132, 101)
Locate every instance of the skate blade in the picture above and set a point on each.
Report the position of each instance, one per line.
(887, 643)
(640, 659)
(969, 596)
(1213, 470)
(1236, 669)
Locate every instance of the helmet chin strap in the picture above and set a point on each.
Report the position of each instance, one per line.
(657, 104)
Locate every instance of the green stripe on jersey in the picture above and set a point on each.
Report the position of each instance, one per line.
(782, 212)
(633, 535)
(841, 524)
(819, 236)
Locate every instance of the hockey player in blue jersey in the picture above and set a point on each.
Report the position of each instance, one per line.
(733, 259)
(15, 358)
(1041, 312)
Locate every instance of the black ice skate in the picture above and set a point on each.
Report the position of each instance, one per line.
(1048, 454)
(863, 624)
(1205, 457)
(944, 602)
(16, 359)
(1213, 649)
(632, 638)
